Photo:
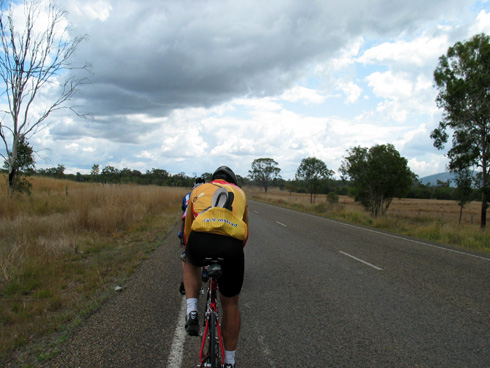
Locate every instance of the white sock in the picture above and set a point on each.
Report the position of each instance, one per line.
(191, 305)
(230, 357)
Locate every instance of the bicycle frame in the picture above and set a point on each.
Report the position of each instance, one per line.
(213, 357)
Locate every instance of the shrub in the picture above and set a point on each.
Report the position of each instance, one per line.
(332, 198)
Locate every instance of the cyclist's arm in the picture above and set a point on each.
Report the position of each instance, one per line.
(189, 217)
(245, 219)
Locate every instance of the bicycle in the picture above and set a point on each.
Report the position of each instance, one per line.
(212, 350)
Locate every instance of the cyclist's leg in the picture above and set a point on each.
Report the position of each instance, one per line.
(230, 321)
(181, 236)
(195, 254)
(192, 280)
(230, 285)
(192, 285)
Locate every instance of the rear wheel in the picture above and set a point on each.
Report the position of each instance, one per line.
(214, 348)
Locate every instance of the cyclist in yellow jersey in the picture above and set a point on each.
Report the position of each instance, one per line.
(216, 226)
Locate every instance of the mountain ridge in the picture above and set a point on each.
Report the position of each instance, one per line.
(443, 176)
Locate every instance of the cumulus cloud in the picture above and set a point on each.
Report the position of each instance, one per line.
(351, 90)
(307, 95)
(482, 23)
(94, 10)
(418, 53)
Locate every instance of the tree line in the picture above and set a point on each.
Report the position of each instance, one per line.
(373, 177)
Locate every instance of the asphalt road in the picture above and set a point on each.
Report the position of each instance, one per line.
(317, 293)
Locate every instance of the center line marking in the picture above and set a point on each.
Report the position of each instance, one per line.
(394, 236)
(280, 223)
(360, 260)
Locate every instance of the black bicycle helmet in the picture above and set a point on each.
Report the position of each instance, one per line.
(225, 173)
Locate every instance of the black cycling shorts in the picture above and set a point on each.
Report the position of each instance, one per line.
(207, 245)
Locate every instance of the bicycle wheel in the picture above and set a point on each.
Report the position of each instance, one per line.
(214, 347)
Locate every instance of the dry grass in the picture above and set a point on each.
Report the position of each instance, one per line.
(434, 220)
(65, 246)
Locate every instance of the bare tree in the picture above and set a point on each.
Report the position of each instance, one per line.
(34, 61)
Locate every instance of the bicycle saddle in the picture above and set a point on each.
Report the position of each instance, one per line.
(214, 270)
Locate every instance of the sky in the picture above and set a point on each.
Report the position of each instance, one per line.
(188, 86)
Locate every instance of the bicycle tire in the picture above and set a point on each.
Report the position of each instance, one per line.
(213, 349)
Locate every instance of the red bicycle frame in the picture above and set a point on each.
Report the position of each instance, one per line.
(212, 331)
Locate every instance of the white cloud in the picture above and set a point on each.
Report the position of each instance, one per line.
(419, 52)
(307, 95)
(96, 10)
(259, 104)
(390, 85)
(351, 90)
(145, 154)
(431, 165)
(343, 59)
(482, 23)
(72, 146)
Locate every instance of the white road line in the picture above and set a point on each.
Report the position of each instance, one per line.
(177, 349)
(360, 260)
(393, 236)
(415, 241)
(280, 223)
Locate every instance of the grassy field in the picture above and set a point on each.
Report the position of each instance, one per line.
(65, 248)
(433, 220)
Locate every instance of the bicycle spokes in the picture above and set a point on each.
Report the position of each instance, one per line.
(212, 348)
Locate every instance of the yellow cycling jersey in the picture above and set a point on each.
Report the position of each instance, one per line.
(204, 216)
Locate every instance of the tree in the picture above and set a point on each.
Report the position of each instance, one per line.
(34, 58)
(332, 197)
(464, 191)
(378, 175)
(264, 171)
(58, 171)
(110, 174)
(95, 170)
(462, 79)
(24, 166)
(313, 172)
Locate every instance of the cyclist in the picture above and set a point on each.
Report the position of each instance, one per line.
(216, 226)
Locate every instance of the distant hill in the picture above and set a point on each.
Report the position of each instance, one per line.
(444, 176)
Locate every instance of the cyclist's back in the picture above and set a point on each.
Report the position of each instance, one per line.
(227, 216)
